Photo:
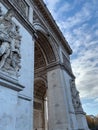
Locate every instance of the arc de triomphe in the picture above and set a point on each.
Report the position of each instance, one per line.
(37, 85)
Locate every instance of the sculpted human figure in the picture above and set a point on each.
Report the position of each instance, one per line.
(9, 43)
(15, 44)
(4, 52)
(15, 50)
(5, 27)
(75, 96)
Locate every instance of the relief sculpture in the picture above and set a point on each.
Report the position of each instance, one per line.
(10, 40)
(75, 97)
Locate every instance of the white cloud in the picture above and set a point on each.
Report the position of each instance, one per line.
(96, 100)
(85, 68)
(66, 6)
(51, 3)
(84, 42)
(81, 16)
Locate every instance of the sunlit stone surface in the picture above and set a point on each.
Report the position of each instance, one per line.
(37, 86)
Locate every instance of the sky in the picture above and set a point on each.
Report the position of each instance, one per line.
(78, 20)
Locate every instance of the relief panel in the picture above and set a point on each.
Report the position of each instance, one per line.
(66, 63)
(22, 6)
(10, 41)
(75, 98)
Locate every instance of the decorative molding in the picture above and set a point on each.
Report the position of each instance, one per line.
(36, 19)
(39, 89)
(48, 17)
(55, 65)
(10, 82)
(22, 19)
(39, 58)
(24, 97)
(22, 6)
(66, 63)
(46, 47)
(41, 72)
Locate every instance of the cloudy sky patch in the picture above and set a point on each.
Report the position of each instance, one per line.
(78, 20)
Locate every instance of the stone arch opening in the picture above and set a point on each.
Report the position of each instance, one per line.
(39, 109)
(44, 56)
(46, 47)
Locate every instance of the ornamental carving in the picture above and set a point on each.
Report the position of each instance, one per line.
(66, 63)
(75, 97)
(39, 58)
(22, 6)
(39, 89)
(10, 41)
(37, 105)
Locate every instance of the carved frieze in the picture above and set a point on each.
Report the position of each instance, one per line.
(35, 17)
(39, 58)
(66, 63)
(22, 6)
(37, 20)
(10, 41)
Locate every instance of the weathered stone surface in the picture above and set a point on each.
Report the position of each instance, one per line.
(43, 96)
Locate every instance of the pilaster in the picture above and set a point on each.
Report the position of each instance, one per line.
(58, 115)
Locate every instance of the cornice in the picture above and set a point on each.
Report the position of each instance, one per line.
(55, 65)
(10, 82)
(48, 17)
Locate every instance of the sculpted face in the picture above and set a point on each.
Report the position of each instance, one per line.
(9, 14)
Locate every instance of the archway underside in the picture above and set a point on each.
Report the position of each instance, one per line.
(44, 56)
(39, 105)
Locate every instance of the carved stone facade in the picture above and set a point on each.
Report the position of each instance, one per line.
(67, 63)
(23, 5)
(10, 41)
(37, 85)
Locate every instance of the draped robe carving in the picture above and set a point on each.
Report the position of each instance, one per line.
(10, 41)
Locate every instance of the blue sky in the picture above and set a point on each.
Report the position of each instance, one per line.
(78, 20)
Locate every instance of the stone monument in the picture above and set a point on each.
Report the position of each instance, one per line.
(37, 85)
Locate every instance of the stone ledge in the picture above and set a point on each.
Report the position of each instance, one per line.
(80, 112)
(24, 97)
(10, 82)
